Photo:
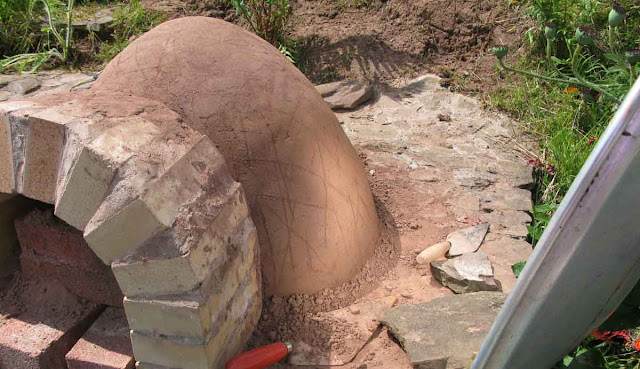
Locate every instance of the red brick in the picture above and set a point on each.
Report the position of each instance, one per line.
(44, 234)
(106, 345)
(92, 285)
(39, 323)
(54, 250)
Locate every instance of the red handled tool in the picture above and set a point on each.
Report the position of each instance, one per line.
(260, 357)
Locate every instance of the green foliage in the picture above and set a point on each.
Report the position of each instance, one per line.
(17, 29)
(130, 20)
(541, 217)
(578, 54)
(267, 18)
(517, 268)
(57, 30)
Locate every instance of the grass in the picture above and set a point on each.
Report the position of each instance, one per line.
(23, 36)
(16, 28)
(130, 20)
(88, 8)
(564, 126)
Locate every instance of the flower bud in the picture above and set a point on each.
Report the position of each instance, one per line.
(585, 35)
(500, 51)
(617, 15)
(632, 56)
(550, 31)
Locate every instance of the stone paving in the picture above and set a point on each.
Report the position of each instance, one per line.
(440, 162)
(14, 87)
(437, 163)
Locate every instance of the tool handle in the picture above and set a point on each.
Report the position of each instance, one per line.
(260, 357)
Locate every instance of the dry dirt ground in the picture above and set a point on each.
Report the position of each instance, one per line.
(389, 41)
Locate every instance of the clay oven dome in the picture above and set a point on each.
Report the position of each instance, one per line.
(305, 185)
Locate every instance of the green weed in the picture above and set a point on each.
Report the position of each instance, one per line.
(130, 20)
(57, 32)
(266, 18)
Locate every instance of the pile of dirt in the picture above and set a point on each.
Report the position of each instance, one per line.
(300, 317)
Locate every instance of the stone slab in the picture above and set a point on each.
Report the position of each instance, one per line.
(24, 85)
(503, 253)
(39, 323)
(507, 199)
(447, 332)
(467, 240)
(467, 273)
(106, 345)
(345, 94)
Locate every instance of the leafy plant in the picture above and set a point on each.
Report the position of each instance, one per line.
(269, 20)
(17, 27)
(567, 117)
(130, 20)
(571, 71)
(517, 268)
(541, 217)
(54, 10)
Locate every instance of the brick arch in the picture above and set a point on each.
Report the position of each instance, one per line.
(155, 201)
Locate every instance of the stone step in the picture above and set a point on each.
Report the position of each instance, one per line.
(106, 345)
(40, 322)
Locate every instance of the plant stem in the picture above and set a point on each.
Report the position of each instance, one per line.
(584, 82)
(67, 41)
(613, 50)
(534, 75)
(549, 52)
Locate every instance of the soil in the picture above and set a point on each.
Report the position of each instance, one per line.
(389, 41)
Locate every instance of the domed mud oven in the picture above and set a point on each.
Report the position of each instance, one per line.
(204, 169)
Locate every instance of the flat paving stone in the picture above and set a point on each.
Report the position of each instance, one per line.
(39, 323)
(467, 240)
(23, 85)
(106, 345)
(467, 273)
(445, 333)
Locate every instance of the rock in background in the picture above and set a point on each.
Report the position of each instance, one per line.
(345, 94)
(467, 273)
